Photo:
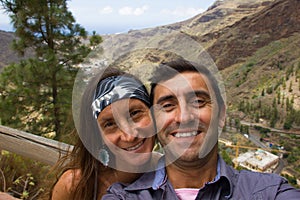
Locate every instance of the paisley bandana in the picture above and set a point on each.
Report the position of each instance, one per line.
(115, 88)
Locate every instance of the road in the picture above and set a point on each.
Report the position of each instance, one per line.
(257, 142)
(296, 132)
(279, 167)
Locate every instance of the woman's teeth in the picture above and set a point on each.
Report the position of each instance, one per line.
(187, 134)
(135, 147)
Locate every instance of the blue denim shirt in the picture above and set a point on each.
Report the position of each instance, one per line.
(228, 184)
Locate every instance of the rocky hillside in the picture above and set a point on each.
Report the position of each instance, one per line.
(6, 54)
(276, 21)
(254, 43)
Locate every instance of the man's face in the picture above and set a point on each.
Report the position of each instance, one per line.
(183, 111)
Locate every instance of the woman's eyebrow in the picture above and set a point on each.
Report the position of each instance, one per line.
(104, 119)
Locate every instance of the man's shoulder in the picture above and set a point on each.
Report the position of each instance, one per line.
(262, 178)
(256, 178)
(251, 183)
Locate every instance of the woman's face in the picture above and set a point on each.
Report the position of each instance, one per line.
(128, 131)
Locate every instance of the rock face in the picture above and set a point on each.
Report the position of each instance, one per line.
(280, 19)
(7, 55)
(230, 30)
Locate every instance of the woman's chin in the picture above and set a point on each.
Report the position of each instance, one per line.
(133, 161)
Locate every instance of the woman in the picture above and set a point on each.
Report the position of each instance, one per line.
(116, 138)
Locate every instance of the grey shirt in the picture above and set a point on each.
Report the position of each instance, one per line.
(228, 184)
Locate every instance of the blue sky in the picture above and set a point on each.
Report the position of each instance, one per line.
(116, 16)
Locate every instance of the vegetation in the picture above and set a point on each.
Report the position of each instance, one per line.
(282, 102)
(36, 93)
(22, 177)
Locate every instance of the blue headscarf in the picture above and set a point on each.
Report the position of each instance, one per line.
(115, 88)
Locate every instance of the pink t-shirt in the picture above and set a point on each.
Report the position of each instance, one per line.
(187, 193)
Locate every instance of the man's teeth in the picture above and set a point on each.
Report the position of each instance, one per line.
(135, 147)
(188, 134)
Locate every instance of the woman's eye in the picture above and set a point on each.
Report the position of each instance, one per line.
(109, 124)
(135, 113)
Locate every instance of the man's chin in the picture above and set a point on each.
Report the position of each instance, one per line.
(181, 154)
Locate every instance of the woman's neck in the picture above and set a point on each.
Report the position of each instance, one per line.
(108, 177)
(126, 177)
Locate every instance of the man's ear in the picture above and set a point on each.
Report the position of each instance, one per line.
(222, 116)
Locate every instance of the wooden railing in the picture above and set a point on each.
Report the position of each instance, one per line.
(32, 146)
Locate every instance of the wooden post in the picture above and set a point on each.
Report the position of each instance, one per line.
(29, 145)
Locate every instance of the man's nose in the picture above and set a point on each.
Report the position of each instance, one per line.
(184, 114)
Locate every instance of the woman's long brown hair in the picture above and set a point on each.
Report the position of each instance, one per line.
(80, 158)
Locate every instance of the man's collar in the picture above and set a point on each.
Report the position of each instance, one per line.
(222, 171)
(226, 173)
(160, 175)
(157, 179)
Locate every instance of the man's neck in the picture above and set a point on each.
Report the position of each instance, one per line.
(195, 175)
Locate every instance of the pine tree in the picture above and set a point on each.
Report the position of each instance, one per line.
(37, 91)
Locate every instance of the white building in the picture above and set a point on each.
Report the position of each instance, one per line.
(260, 161)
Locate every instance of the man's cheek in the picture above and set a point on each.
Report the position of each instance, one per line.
(161, 121)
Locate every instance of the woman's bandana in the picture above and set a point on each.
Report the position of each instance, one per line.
(115, 88)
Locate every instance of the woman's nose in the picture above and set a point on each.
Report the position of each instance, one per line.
(128, 133)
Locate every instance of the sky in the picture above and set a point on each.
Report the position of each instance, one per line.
(118, 16)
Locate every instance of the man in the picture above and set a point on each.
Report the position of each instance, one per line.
(189, 112)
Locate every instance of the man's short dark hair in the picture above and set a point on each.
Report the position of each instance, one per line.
(168, 70)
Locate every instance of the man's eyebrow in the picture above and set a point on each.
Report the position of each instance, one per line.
(165, 98)
(199, 93)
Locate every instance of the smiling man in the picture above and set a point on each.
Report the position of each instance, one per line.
(189, 113)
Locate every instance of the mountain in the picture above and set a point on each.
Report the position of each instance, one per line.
(254, 43)
(7, 55)
(274, 22)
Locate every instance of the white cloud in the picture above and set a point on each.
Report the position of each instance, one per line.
(106, 10)
(133, 11)
(182, 12)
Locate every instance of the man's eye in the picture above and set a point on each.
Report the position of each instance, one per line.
(167, 107)
(199, 102)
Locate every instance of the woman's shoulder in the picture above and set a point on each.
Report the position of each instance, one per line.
(66, 184)
(71, 174)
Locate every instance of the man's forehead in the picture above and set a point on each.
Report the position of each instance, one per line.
(183, 82)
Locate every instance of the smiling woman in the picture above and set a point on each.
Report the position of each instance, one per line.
(116, 137)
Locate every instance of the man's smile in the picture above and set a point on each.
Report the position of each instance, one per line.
(186, 134)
